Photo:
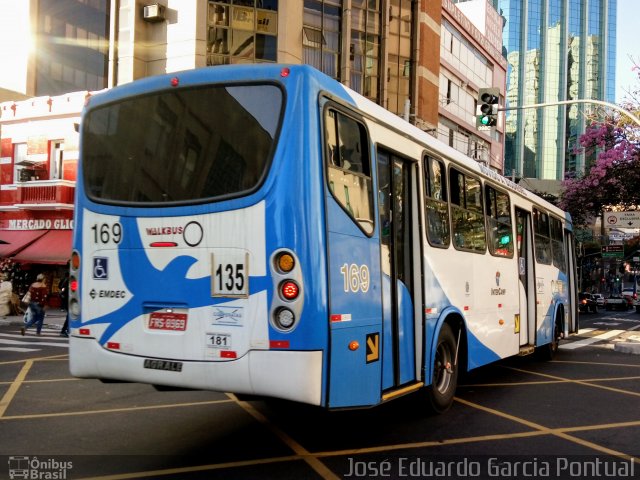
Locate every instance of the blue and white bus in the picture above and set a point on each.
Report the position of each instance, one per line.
(264, 230)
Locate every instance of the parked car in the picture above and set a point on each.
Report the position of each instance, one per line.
(587, 303)
(599, 299)
(630, 295)
(637, 305)
(616, 302)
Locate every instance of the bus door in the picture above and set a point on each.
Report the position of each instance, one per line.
(526, 272)
(570, 256)
(399, 229)
(353, 261)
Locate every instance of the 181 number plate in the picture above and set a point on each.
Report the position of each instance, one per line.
(219, 340)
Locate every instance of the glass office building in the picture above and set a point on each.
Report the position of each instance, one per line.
(556, 50)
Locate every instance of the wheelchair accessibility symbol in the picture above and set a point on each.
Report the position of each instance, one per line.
(100, 268)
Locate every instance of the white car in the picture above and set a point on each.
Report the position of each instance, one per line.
(599, 299)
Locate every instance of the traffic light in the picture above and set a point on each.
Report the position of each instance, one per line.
(487, 114)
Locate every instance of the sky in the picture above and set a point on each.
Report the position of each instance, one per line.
(627, 43)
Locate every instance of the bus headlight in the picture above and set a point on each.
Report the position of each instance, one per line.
(285, 318)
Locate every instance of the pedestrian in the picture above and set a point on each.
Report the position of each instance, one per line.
(63, 286)
(38, 291)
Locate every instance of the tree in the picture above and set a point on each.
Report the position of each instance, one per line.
(613, 179)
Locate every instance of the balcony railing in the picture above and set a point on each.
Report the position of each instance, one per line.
(41, 192)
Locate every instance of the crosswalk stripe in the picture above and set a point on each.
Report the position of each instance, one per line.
(588, 341)
(19, 349)
(5, 341)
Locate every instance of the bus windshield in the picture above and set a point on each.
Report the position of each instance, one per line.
(181, 145)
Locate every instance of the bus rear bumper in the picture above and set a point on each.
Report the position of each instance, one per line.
(290, 375)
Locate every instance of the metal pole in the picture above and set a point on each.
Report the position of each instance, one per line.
(568, 102)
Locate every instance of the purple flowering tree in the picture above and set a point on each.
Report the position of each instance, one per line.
(614, 178)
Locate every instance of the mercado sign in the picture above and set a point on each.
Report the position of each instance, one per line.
(38, 224)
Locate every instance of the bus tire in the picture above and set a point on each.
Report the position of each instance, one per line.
(548, 352)
(445, 373)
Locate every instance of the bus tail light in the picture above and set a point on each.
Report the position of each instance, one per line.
(289, 290)
(288, 287)
(285, 262)
(285, 318)
(74, 284)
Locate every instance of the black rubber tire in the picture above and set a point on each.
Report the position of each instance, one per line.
(445, 374)
(548, 352)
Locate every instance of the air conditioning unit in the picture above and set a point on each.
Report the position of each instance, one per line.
(153, 13)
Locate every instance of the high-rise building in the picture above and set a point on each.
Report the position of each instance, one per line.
(556, 50)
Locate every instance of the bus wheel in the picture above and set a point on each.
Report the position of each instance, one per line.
(445, 372)
(548, 351)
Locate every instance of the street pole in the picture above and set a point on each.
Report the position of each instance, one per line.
(569, 102)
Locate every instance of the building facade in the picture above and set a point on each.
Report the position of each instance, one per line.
(470, 59)
(556, 50)
(422, 60)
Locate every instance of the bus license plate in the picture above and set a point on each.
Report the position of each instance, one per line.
(173, 321)
(219, 340)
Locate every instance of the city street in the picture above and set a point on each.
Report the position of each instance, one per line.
(576, 413)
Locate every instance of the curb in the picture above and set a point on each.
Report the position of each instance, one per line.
(631, 345)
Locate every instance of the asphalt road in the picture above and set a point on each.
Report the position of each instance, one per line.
(577, 416)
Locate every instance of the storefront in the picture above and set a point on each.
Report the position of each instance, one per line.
(38, 161)
(28, 249)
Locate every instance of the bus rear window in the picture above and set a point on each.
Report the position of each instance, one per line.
(181, 146)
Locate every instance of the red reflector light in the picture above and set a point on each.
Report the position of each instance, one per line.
(285, 72)
(228, 354)
(163, 244)
(289, 290)
(113, 345)
(279, 344)
(75, 260)
(84, 331)
(175, 82)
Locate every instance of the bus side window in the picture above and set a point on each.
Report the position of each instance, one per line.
(349, 167)
(542, 240)
(557, 244)
(499, 225)
(467, 213)
(436, 205)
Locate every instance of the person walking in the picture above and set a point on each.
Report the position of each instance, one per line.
(38, 291)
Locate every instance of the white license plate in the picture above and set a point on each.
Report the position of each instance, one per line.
(219, 340)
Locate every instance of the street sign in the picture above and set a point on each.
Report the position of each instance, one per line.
(630, 219)
(612, 251)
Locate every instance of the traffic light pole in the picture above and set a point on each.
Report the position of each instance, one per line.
(569, 102)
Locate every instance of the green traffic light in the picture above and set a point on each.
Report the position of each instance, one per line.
(484, 120)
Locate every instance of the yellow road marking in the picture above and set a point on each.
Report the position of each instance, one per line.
(312, 460)
(198, 468)
(598, 363)
(37, 359)
(579, 382)
(556, 432)
(545, 382)
(47, 380)
(14, 387)
(113, 410)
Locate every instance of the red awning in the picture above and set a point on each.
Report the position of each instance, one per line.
(15, 240)
(54, 247)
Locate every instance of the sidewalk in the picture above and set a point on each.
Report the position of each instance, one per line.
(53, 319)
